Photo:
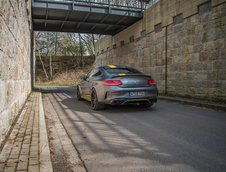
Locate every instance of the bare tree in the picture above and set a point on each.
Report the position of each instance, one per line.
(43, 66)
(50, 44)
(89, 42)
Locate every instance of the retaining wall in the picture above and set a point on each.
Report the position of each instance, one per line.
(15, 54)
(180, 43)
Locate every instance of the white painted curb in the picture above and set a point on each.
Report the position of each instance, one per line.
(45, 161)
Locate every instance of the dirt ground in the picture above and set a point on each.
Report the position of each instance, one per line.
(65, 78)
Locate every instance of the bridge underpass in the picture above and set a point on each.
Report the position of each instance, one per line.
(86, 16)
(196, 62)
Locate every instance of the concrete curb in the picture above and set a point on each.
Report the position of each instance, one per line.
(45, 161)
(211, 105)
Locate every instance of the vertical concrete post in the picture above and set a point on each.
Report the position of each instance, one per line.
(32, 59)
(32, 42)
(166, 61)
(109, 7)
(142, 5)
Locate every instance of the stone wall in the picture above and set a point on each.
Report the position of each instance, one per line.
(181, 45)
(15, 53)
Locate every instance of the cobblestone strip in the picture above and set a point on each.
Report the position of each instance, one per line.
(21, 151)
(33, 164)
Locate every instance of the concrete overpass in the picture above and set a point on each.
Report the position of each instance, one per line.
(86, 16)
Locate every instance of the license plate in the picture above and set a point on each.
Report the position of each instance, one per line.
(137, 93)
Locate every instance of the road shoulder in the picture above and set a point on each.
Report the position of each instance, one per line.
(63, 153)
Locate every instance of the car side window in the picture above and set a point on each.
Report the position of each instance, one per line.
(94, 72)
(90, 73)
(98, 73)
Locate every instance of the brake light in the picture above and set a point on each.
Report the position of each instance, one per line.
(112, 83)
(151, 82)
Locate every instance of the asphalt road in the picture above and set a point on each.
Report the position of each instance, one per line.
(167, 137)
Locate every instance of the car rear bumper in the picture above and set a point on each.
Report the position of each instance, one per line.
(126, 101)
(115, 95)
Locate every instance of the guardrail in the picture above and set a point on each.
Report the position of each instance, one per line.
(129, 4)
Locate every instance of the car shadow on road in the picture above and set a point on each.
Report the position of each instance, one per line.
(108, 108)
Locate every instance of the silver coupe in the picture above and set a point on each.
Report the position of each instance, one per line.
(117, 85)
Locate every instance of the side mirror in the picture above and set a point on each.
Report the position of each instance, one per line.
(83, 77)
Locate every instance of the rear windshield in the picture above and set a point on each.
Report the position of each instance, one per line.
(123, 70)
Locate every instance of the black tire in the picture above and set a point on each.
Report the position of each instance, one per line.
(79, 98)
(95, 105)
(147, 105)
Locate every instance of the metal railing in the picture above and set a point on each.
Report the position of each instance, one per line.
(125, 4)
(151, 2)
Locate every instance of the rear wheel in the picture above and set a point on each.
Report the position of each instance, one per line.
(95, 105)
(78, 94)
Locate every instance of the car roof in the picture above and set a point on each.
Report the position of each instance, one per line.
(114, 66)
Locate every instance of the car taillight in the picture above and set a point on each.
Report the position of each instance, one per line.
(116, 92)
(151, 82)
(112, 83)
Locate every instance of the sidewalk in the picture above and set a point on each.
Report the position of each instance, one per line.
(27, 147)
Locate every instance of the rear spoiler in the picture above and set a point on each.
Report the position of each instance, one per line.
(116, 76)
